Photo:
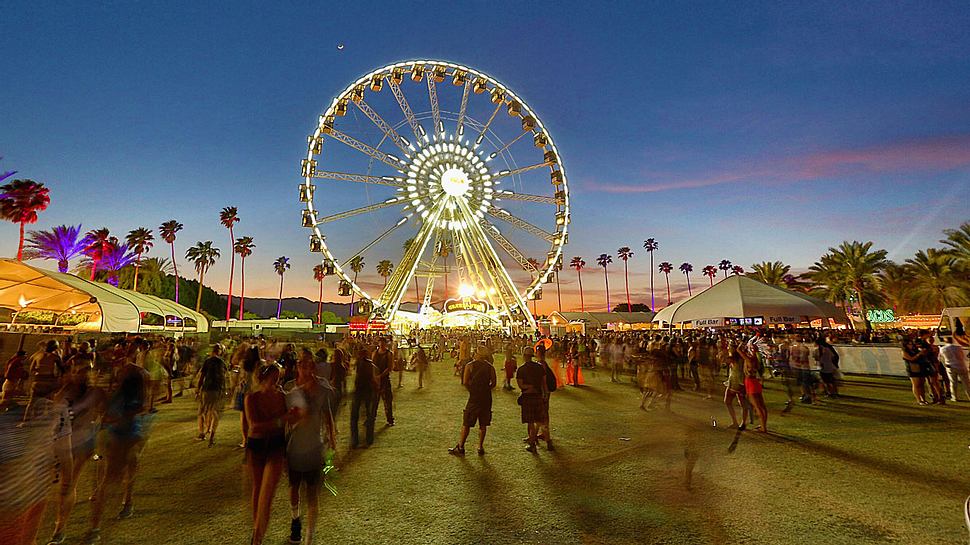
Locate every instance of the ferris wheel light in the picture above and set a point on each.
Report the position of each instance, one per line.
(465, 290)
(401, 221)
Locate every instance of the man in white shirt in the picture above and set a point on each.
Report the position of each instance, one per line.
(956, 364)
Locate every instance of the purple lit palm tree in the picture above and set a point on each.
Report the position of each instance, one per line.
(724, 265)
(62, 244)
(603, 261)
(651, 245)
(116, 257)
(687, 268)
(667, 268)
(20, 201)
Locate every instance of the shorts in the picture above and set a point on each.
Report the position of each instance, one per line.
(828, 378)
(311, 478)
(480, 414)
(534, 409)
(211, 400)
(261, 449)
(752, 385)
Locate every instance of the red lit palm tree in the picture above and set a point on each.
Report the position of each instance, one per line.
(687, 268)
(168, 232)
(244, 247)
(20, 201)
(651, 245)
(578, 264)
(724, 265)
(281, 265)
(62, 244)
(319, 273)
(625, 254)
(710, 271)
(604, 261)
(140, 242)
(737, 270)
(229, 217)
(667, 268)
(98, 243)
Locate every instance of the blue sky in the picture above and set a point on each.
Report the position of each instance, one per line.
(745, 131)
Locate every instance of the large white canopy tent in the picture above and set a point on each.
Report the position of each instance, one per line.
(743, 297)
(109, 309)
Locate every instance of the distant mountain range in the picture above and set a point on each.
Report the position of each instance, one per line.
(266, 307)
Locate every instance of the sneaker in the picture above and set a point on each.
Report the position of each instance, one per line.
(296, 530)
(126, 511)
(531, 448)
(200, 437)
(481, 452)
(457, 450)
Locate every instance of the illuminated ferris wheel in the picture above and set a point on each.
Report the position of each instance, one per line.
(446, 173)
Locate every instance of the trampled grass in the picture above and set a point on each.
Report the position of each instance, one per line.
(871, 467)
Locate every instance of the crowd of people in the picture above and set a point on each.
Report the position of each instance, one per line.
(69, 403)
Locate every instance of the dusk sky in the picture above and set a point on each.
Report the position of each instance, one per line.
(737, 131)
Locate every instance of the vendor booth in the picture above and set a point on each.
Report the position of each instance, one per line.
(588, 322)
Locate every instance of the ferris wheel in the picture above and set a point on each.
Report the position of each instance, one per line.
(451, 161)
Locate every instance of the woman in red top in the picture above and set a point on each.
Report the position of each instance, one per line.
(752, 384)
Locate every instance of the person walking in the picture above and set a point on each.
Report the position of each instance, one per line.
(479, 379)
(544, 430)
(531, 378)
(211, 393)
(956, 364)
(420, 363)
(384, 362)
(734, 389)
(310, 402)
(828, 361)
(753, 389)
(366, 384)
(509, 368)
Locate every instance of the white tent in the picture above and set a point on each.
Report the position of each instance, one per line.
(739, 297)
(109, 309)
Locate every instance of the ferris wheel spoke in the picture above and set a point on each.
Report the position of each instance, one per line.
(507, 173)
(481, 135)
(394, 201)
(492, 231)
(499, 151)
(512, 196)
(382, 236)
(516, 221)
(435, 110)
(406, 109)
(386, 158)
(388, 131)
(464, 106)
(360, 178)
(390, 298)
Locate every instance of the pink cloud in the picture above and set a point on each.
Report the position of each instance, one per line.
(930, 155)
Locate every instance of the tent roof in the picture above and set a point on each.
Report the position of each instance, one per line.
(600, 319)
(118, 311)
(742, 297)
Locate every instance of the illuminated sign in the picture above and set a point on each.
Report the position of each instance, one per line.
(782, 320)
(467, 304)
(881, 316)
(709, 322)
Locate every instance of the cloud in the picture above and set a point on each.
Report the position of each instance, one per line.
(917, 156)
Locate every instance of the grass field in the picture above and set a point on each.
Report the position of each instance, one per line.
(871, 467)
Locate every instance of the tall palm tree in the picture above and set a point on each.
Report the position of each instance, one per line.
(666, 268)
(20, 201)
(168, 232)
(625, 254)
(896, 283)
(319, 273)
(710, 271)
(937, 279)
(99, 241)
(229, 217)
(578, 264)
(651, 245)
(855, 266)
(770, 272)
(140, 242)
(535, 271)
(604, 260)
(687, 268)
(244, 247)
(737, 270)
(958, 242)
(384, 269)
(724, 265)
(281, 265)
(62, 244)
(356, 264)
(203, 255)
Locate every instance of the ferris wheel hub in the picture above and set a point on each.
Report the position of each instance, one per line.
(455, 182)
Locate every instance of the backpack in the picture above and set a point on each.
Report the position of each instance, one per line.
(551, 383)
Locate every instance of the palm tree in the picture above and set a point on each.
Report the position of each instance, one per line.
(244, 247)
(896, 283)
(687, 268)
(384, 268)
(710, 271)
(625, 254)
(20, 201)
(152, 272)
(937, 279)
(356, 264)
(578, 264)
(228, 217)
(168, 231)
(651, 245)
(770, 272)
(958, 241)
(737, 270)
(140, 242)
(319, 273)
(281, 265)
(604, 260)
(855, 266)
(116, 257)
(203, 255)
(535, 271)
(98, 243)
(667, 268)
(62, 244)
(724, 265)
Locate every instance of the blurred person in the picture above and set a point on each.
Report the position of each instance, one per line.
(955, 360)
(26, 463)
(798, 360)
(753, 389)
(734, 390)
(912, 358)
(366, 384)
(552, 383)
(45, 369)
(245, 384)
(828, 361)
(420, 363)
(15, 372)
(479, 380)
(938, 377)
(211, 393)
(509, 367)
(383, 360)
(531, 378)
(399, 364)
